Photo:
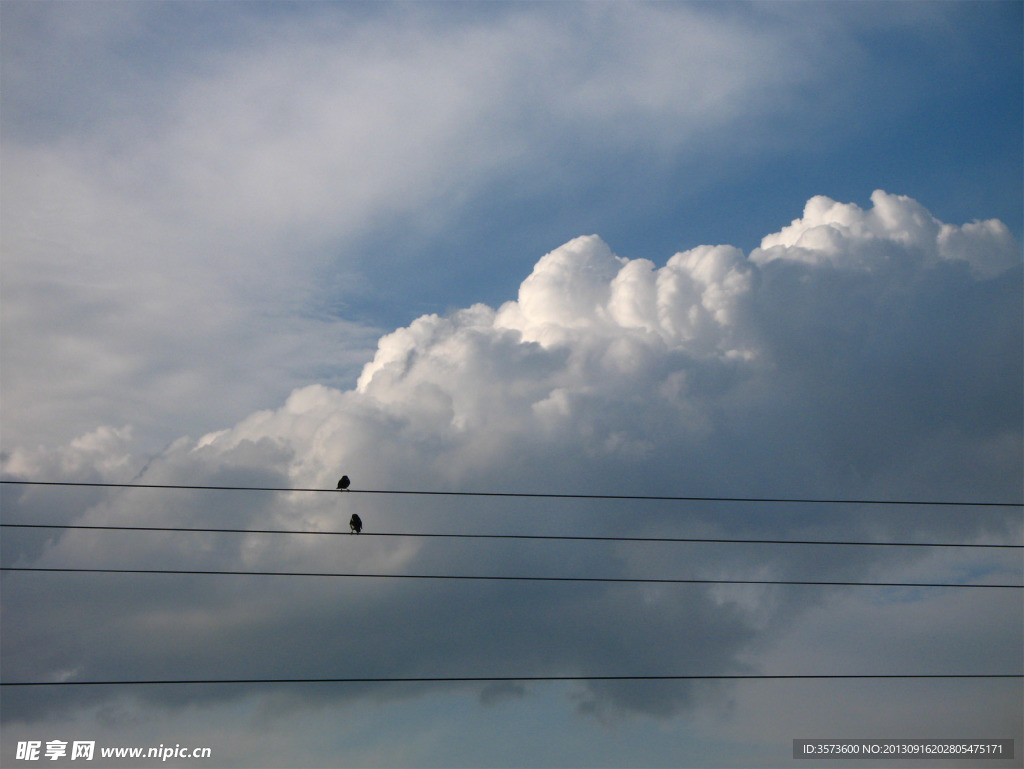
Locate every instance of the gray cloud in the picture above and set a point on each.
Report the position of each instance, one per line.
(209, 208)
(819, 366)
(178, 185)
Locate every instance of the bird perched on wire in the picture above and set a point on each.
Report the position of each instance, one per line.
(355, 524)
(343, 484)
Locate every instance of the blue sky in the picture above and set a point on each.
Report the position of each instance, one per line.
(721, 249)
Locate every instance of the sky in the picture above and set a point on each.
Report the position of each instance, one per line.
(719, 250)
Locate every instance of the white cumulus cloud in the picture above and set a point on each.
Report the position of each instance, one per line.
(847, 236)
(852, 355)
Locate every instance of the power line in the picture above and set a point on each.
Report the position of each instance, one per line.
(719, 540)
(479, 679)
(529, 495)
(506, 578)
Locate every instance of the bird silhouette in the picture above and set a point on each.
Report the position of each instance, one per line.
(355, 523)
(343, 483)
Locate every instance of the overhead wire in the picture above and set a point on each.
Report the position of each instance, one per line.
(566, 537)
(181, 529)
(524, 678)
(528, 495)
(510, 578)
(518, 577)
